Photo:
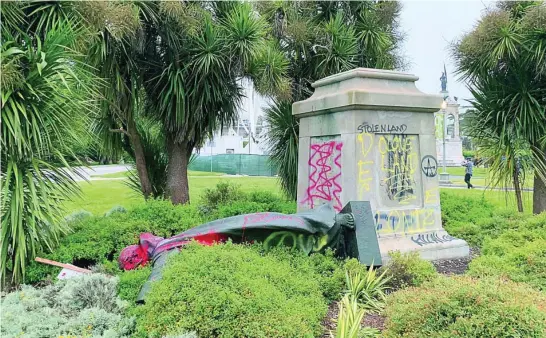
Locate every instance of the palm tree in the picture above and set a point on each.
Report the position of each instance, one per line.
(114, 51)
(195, 54)
(46, 88)
(321, 38)
(504, 61)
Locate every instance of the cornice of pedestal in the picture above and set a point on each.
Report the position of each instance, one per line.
(369, 89)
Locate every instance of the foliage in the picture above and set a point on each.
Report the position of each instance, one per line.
(223, 193)
(461, 216)
(350, 315)
(469, 153)
(194, 56)
(282, 141)
(48, 94)
(155, 156)
(233, 290)
(466, 307)
(503, 61)
(321, 38)
(99, 240)
(227, 199)
(368, 289)
(363, 294)
(81, 306)
(130, 283)
(518, 252)
(512, 245)
(407, 269)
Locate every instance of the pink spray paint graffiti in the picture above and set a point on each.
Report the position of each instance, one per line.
(324, 174)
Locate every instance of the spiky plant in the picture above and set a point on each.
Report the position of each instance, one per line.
(503, 61)
(46, 89)
(283, 144)
(321, 38)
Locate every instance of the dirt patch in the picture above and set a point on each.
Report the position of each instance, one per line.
(374, 320)
(328, 323)
(456, 266)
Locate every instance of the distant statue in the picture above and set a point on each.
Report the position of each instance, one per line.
(443, 79)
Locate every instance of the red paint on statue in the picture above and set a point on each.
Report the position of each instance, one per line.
(133, 256)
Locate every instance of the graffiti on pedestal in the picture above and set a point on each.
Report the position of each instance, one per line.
(404, 221)
(432, 238)
(365, 163)
(429, 165)
(324, 174)
(398, 165)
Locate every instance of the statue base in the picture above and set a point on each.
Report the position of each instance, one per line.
(431, 246)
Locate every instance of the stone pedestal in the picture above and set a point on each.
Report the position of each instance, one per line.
(369, 135)
(454, 144)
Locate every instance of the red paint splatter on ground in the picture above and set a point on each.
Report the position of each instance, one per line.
(324, 180)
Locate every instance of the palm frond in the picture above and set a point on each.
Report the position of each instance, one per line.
(283, 140)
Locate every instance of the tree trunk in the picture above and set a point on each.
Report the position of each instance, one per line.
(177, 172)
(517, 189)
(140, 160)
(539, 195)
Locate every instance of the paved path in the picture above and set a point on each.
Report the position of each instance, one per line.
(459, 186)
(95, 170)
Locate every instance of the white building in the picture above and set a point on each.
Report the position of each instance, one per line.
(247, 136)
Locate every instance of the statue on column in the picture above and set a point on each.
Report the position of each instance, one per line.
(443, 80)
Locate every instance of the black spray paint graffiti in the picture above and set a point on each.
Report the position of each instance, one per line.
(398, 165)
(431, 239)
(381, 128)
(429, 165)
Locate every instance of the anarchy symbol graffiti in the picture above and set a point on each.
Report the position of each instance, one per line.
(429, 166)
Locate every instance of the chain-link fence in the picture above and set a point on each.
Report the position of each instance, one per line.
(235, 164)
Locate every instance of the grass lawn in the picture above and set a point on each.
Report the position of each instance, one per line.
(497, 197)
(100, 196)
(484, 182)
(459, 171)
(190, 173)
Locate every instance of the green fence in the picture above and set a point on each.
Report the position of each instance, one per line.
(235, 164)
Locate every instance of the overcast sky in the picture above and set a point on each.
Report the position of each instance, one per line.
(430, 27)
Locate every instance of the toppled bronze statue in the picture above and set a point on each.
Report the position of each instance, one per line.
(310, 231)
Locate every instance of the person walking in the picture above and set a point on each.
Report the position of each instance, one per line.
(468, 172)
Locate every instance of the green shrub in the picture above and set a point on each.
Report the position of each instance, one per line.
(330, 270)
(463, 216)
(99, 240)
(408, 269)
(466, 307)
(518, 253)
(130, 283)
(469, 153)
(223, 193)
(234, 291)
(81, 306)
(115, 209)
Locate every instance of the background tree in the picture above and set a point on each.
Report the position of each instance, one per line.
(114, 52)
(47, 92)
(194, 57)
(504, 62)
(321, 38)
